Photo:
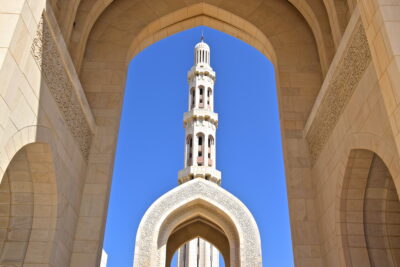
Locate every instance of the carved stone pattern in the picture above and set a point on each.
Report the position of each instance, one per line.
(47, 56)
(352, 66)
(250, 245)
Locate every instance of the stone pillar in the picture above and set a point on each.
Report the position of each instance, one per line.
(381, 21)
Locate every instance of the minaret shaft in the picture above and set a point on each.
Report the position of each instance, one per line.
(200, 121)
(200, 124)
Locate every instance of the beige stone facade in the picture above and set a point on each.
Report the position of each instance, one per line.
(62, 77)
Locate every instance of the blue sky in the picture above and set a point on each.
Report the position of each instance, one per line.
(151, 139)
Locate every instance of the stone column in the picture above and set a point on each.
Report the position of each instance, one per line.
(381, 21)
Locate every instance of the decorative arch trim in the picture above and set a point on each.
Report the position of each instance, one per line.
(196, 198)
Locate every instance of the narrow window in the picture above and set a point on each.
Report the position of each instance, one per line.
(209, 96)
(200, 159)
(201, 100)
(210, 155)
(189, 149)
(192, 98)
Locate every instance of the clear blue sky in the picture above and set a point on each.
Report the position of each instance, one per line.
(151, 139)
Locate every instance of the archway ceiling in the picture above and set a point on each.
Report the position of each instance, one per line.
(289, 32)
(119, 21)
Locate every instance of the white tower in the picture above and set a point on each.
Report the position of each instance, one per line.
(200, 124)
(200, 121)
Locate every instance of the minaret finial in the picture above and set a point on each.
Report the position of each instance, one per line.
(202, 36)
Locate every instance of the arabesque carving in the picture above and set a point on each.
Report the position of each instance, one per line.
(48, 58)
(250, 244)
(345, 79)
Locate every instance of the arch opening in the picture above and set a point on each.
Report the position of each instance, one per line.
(182, 255)
(197, 230)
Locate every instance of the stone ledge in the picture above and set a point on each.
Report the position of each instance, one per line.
(208, 173)
(201, 70)
(201, 114)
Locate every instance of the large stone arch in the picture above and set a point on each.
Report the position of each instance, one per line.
(280, 31)
(197, 201)
(101, 42)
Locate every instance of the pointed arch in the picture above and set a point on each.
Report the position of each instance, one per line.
(197, 201)
(202, 228)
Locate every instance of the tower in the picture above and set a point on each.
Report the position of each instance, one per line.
(200, 122)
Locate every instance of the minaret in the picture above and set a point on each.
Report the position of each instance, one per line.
(200, 124)
(200, 121)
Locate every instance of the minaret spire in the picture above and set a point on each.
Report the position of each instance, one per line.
(200, 121)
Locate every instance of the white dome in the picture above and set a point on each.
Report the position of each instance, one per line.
(202, 45)
(202, 53)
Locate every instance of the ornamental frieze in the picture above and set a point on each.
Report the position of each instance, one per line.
(47, 56)
(345, 79)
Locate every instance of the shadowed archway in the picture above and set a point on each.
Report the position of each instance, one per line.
(202, 228)
(370, 212)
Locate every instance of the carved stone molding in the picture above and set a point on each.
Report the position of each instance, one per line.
(47, 56)
(345, 79)
(222, 205)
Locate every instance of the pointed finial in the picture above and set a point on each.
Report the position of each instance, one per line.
(202, 36)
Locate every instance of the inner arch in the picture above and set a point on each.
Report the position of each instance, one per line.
(198, 227)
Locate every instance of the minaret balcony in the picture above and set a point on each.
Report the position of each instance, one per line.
(200, 114)
(205, 172)
(201, 70)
